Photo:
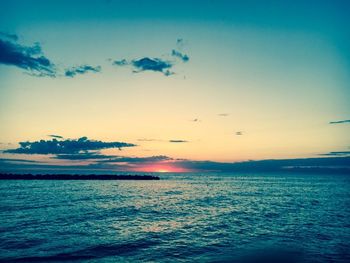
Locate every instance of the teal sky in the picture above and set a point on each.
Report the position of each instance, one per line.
(264, 79)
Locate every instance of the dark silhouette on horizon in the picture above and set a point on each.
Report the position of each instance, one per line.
(76, 177)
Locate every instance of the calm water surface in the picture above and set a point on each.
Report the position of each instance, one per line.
(181, 218)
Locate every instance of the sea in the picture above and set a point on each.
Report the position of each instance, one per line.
(183, 217)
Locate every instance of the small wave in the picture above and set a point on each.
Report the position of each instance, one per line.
(93, 252)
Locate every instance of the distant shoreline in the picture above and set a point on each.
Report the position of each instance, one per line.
(4, 176)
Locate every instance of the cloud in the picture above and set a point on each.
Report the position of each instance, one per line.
(307, 164)
(13, 37)
(344, 153)
(239, 133)
(147, 64)
(195, 120)
(180, 43)
(83, 156)
(339, 122)
(124, 159)
(55, 136)
(102, 158)
(155, 64)
(179, 55)
(177, 141)
(148, 140)
(68, 146)
(122, 62)
(8, 160)
(72, 72)
(103, 164)
(29, 58)
(223, 114)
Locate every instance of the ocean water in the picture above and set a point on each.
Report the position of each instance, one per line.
(181, 218)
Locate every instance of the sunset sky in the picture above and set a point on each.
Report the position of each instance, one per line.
(176, 81)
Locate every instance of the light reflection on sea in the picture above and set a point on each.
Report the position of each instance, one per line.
(182, 218)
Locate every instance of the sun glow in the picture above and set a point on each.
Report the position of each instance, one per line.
(162, 171)
(161, 168)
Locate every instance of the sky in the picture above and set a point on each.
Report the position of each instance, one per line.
(172, 85)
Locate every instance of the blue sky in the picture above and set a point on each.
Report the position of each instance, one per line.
(262, 79)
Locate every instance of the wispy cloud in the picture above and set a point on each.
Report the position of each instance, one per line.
(309, 164)
(343, 153)
(223, 114)
(9, 160)
(72, 72)
(125, 159)
(29, 58)
(68, 146)
(148, 140)
(83, 156)
(55, 136)
(339, 122)
(178, 141)
(179, 55)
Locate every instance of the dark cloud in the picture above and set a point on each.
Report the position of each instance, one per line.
(13, 37)
(123, 159)
(122, 62)
(72, 72)
(155, 64)
(8, 160)
(239, 133)
(339, 122)
(179, 55)
(177, 141)
(29, 58)
(223, 114)
(83, 156)
(56, 168)
(122, 163)
(344, 153)
(102, 158)
(68, 146)
(307, 164)
(55, 136)
(147, 64)
(196, 120)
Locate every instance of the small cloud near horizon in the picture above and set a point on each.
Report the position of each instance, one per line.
(340, 153)
(148, 140)
(55, 136)
(339, 122)
(126, 159)
(178, 141)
